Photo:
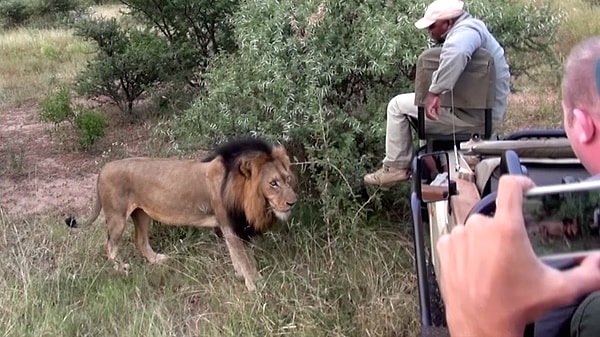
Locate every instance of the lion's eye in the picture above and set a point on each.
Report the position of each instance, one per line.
(274, 183)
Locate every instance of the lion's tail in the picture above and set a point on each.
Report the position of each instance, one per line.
(72, 222)
(96, 211)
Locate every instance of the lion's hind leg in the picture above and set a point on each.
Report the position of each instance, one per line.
(141, 221)
(116, 225)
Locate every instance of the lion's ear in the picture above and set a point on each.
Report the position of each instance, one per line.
(245, 166)
(280, 154)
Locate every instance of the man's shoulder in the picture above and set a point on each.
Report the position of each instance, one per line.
(471, 23)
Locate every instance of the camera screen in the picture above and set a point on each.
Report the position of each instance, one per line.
(564, 222)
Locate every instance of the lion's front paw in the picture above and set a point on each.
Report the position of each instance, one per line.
(158, 258)
(257, 281)
(250, 285)
(122, 267)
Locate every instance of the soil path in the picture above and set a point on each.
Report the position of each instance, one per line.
(39, 175)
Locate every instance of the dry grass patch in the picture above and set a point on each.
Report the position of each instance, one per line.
(539, 107)
(34, 61)
(108, 11)
(580, 20)
(57, 282)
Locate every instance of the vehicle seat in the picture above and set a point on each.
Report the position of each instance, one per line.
(475, 89)
(546, 154)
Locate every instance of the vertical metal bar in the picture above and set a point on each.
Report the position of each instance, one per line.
(420, 260)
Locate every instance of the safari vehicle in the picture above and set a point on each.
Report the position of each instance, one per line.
(474, 163)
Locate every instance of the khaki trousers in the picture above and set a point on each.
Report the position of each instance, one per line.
(398, 141)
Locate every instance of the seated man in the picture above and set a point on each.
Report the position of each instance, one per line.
(492, 257)
(461, 35)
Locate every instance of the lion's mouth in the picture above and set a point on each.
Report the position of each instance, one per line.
(281, 214)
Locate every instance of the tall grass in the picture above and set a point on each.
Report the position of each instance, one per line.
(57, 282)
(580, 21)
(33, 61)
(536, 102)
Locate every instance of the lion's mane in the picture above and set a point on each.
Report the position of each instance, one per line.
(247, 209)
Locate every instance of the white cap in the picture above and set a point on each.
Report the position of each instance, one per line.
(440, 10)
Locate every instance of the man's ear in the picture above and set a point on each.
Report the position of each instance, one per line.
(584, 126)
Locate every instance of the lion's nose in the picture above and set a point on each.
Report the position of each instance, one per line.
(290, 203)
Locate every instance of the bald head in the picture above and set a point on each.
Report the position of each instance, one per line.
(579, 90)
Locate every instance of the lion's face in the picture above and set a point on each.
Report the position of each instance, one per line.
(276, 187)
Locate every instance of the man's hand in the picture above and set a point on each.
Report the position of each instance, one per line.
(492, 282)
(432, 106)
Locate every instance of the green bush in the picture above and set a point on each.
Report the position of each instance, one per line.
(104, 2)
(528, 30)
(162, 48)
(44, 8)
(318, 77)
(128, 61)
(13, 13)
(39, 13)
(196, 29)
(91, 125)
(56, 107)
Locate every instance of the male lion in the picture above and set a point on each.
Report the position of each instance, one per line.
(239, 190)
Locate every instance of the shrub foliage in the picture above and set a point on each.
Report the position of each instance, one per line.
(57, 108)
(168, 43)
(15, 13)
(197, 29)
(127, 62)
(318, 75)
(91, 125)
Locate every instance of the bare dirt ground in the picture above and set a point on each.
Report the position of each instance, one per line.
(40, 175)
